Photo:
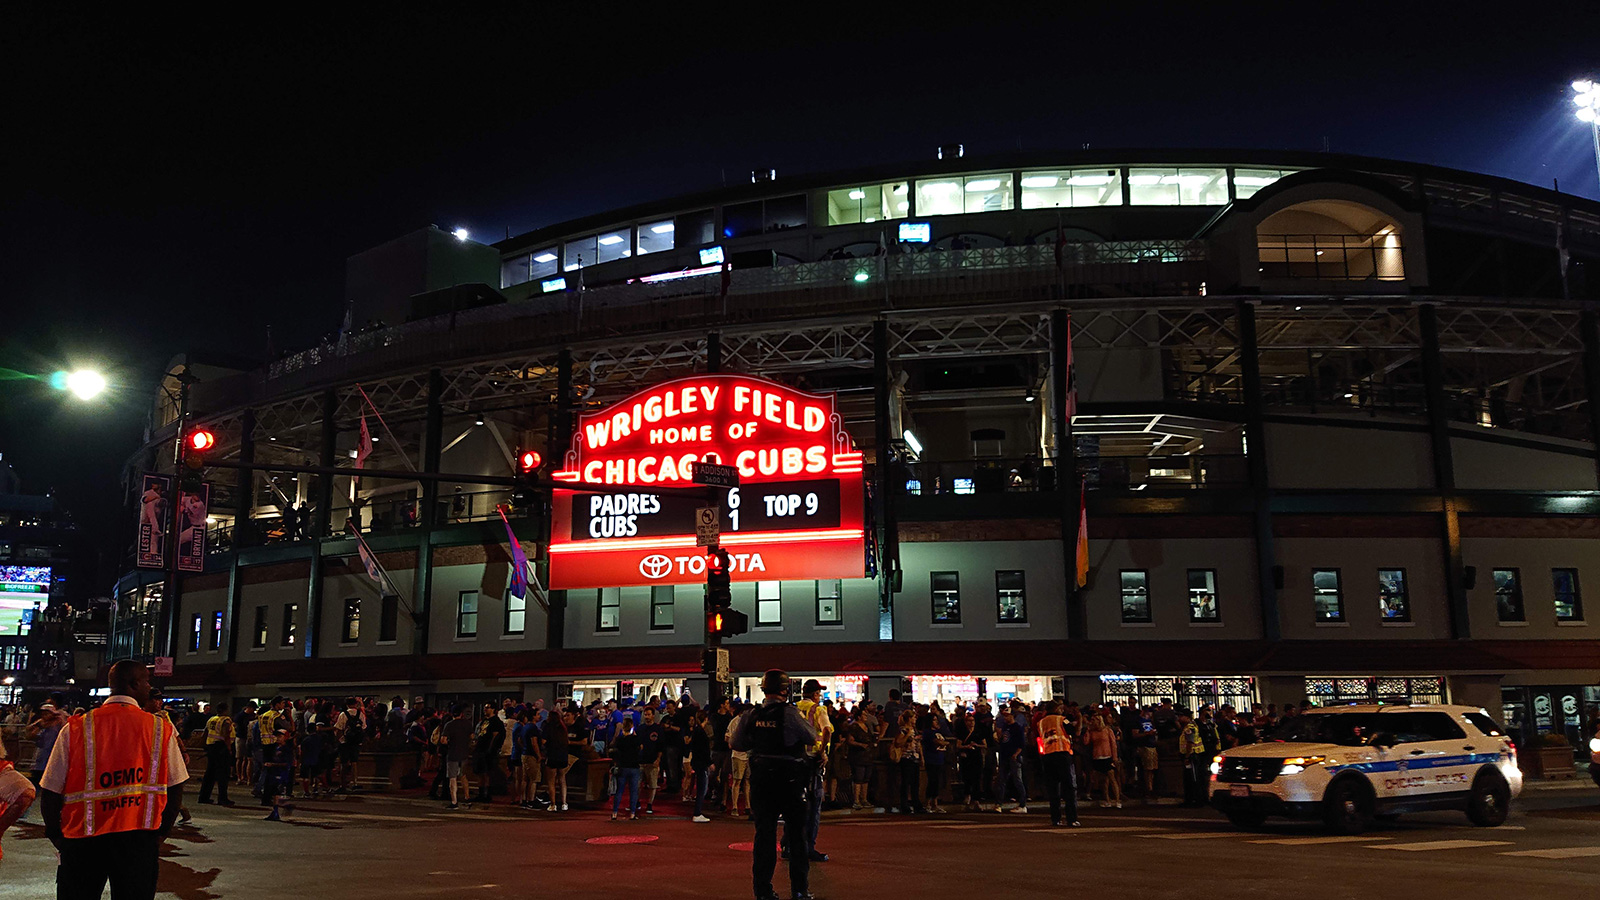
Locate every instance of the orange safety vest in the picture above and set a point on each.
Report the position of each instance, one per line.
(117, 771)
(1053, 735)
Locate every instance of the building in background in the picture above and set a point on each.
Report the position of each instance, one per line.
(1334, 417)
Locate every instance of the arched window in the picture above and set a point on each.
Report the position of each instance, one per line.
(1330, 240)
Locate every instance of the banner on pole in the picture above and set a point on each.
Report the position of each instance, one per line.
(155, 505)
(193, 509)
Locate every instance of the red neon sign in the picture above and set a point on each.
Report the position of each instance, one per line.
(797, 514)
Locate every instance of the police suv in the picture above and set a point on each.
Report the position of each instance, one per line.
(1349, 765)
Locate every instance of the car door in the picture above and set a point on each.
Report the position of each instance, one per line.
(1458, 755)
(1411, 760)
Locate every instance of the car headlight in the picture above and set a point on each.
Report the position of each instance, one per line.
(1216, 765)
(1294, 765)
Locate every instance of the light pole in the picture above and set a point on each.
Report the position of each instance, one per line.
(1587, 98)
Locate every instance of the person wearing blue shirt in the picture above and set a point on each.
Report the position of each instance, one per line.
(1012, 739)
(654, 737)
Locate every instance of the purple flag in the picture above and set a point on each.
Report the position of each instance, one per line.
(519, 560)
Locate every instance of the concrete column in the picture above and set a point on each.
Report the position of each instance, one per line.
(561, 440)
(1478, 690)
(311, 643)
(432, 447)
(1590, 329)
(1068, 487)
(1444, 471)
(884, 488)
(243, 529)
(1255, 429)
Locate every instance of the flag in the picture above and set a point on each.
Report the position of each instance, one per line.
(1072, 376)
(519, 560)
(364, 446)
(369, 560)
(1082, 553)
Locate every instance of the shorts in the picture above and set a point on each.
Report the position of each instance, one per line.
(1149, 760)
(740, 772)
(452, 769)
(310, 770)
(1103, 765)
(861, 774)
(650, 775)
(532, 768)
(348, 753)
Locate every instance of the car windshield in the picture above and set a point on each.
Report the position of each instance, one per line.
(1348, 729)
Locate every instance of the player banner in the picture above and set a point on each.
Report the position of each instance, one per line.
(155, 505)
(193, 508)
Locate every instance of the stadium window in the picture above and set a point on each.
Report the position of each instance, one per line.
(741, 219)
(1508, 596)
(579, 253)
(964, 194)
(829, 610)
(1394, 603)
(1203, 604)
(467, 614)
(946, 591)
(516, 614)
(769, 606)
(1327, 595)
(291, 624)
(216, 631)
(694, 229)
(783, 213)
(1178, 187)
(656, 237)
(195, 625)
(608, 609)
(1011, 596)
(351, 632)
(1569, 604)
(258, 638)
(661, 600)
(1246, 182)
(869, 203)
(1071, 187)
(544, 263)
(388, 619)
(516, 270)
(613, 245)
(1135, 586)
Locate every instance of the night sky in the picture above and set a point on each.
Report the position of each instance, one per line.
(172, 186)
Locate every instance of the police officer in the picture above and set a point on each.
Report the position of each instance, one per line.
(816, 715)
(776, 737)
(112, 790)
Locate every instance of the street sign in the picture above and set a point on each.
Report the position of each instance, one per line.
(716, 475)
(163, 668)
(715, 664)
(707, 526)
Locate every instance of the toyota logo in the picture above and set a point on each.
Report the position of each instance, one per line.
(655, 566)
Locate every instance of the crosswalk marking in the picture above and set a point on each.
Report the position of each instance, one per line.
(1198, 835)
(1555, 852)
(1324, 839)
(985, 825)
(1440, 845)
(1088, 830)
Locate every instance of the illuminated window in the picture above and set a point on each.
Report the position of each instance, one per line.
(608, 609)
(579, 253)
(829, 609)
(613, 245)
(946, 590)
(258, 637)
(1394, 603)
(1071, 187)
(1508, 596)
(1135, 596)
(291, 624)
(1203, 596)
(1327, 595)
(467, 614)
(1178, 187)
(352, 621)
(1246, 182)
(516, 614)
(216, 630)
(769, 609)
(1011, 596)
(661, 599)
(655, 237)
(869, 203)
(195, 626)
(388, 619)
(1569, 605)
(964, 194)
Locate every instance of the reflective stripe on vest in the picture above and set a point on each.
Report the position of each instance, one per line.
(113, 785)
(1053, 736)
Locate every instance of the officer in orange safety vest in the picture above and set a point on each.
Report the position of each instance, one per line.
(1055, 757)
(112, 789)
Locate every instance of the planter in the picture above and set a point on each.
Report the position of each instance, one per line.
(1555, 762)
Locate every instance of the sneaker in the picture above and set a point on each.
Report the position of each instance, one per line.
(1117, 804)
(700, 820)
(649, 809)
(453, 806)
(613, 817)
(1018, 809)
(1076, 824)
(634, 817)
(563, 807)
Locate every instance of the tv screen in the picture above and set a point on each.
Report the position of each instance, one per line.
(916, 232)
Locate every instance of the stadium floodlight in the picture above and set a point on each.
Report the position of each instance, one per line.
(86, 384)
(461, 234)
(1586, 97)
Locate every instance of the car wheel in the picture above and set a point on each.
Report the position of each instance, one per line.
(1489, 801)
(1247, 818)
(1347, 806)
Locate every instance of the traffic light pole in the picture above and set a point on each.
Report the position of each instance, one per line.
(172, 588)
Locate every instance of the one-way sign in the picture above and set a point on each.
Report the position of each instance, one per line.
(716, 476)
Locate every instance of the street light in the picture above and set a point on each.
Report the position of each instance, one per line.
(85, 384)
(1586, 97)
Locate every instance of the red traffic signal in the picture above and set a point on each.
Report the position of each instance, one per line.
(717, 563)
(726, 623)
(529, 461)
(200, 440)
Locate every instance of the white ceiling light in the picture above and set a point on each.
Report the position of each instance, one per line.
(609, 239)
(1254, 180)
(545, 257)
(1040, 181)
(1089, 180)
(858, 194)
(983, 184)
(1144, 179)
(912, 442)
(939, 186)
(663, 228)
(900, 189)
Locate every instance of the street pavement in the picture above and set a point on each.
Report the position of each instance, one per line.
(394, 848)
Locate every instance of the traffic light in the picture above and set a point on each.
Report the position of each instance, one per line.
(723, 622)
(197, 445)
(529, 462)
(524, 495)
(719, 593)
